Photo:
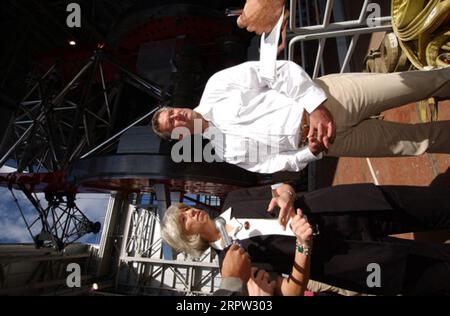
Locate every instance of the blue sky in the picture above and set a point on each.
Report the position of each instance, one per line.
(13, 229)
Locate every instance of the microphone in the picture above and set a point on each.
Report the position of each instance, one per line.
(220, 225)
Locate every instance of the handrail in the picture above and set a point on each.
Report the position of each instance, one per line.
(327, 30)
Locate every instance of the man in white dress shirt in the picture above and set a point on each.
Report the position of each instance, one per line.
(259, 125)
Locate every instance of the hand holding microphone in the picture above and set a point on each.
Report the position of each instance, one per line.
(236, 262)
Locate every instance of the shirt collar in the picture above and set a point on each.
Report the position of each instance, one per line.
(205, 110)
(211, 131)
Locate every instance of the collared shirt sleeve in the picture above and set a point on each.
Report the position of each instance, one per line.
(244, 77)
(295, 82)
(229, 85)
(286, 161)
(291, 80)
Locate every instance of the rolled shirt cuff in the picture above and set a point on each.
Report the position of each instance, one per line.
(232, 284)
(306, 156)
(314, 97)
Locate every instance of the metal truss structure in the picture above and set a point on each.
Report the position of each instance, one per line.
(59, 224)
(55, 126)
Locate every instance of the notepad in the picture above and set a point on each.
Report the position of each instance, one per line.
(269, 50)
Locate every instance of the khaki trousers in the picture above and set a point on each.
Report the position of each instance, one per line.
(355, 97)
(318, 287)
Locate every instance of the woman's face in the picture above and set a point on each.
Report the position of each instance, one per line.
(195, 221)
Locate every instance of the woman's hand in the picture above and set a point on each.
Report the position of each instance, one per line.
(260, 284)
(236, 263)
(302, 229)
(285, 201)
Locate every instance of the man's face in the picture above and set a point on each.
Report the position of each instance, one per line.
(177, 117)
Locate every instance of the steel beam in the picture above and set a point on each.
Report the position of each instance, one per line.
(80, 112)
(115, 136)
(324, 35)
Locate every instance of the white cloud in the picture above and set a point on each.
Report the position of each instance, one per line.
(6, 169)
(9, 209)
(12, 226)
(93, 205)
(13, 231)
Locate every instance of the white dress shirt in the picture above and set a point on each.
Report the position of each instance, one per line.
(256, 227)
(258, 121)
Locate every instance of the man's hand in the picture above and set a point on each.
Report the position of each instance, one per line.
(301, 228)
(315, 146)
(236, 263)
(260, 284)
(285, 202)
(321, 121)
(260, 16)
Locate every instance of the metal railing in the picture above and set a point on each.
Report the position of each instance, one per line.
(301, 31)
(308, 26)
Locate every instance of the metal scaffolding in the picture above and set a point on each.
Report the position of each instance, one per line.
(58, 224)
(56, 125)
(142, 263)
(143, 268)
(53, 127)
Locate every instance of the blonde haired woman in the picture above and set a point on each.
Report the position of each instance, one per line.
(352, 225)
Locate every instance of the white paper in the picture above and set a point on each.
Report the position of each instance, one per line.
(269, 50)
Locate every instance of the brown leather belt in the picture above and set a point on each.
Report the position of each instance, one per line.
(304, 130)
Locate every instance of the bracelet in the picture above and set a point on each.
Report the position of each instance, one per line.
(301, 248)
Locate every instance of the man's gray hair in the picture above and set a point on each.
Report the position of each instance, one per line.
(172, 233)
(155, 123)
